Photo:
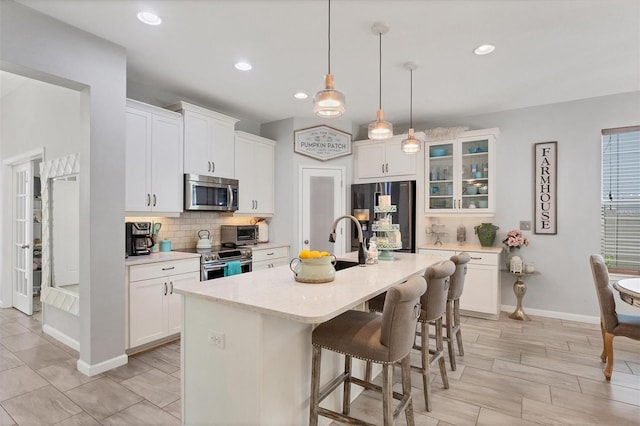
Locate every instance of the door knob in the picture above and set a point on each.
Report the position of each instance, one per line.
(24, 246)
(306, 241)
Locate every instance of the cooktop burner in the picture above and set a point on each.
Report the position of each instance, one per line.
(220, 253)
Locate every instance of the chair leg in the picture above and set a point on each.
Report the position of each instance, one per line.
(406, 389)
(314, 401)
(346, 394)
(456, 322)
(449, 325)
(603, 356)
(424, 352)
(608, 347)
(440, 349)
(387, 394)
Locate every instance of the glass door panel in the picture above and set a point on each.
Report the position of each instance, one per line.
(475, 174)
(440, 176)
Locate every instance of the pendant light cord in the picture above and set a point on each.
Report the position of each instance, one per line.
(329, 38)
(380, 74)
(411, 101)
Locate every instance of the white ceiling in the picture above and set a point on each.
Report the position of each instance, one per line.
(547, 51)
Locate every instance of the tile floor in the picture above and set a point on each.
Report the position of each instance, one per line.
(545, 371)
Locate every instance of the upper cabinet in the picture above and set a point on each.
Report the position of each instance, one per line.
(254, 164)
(460, 174)
(153, 162)
(375, 160)
(208, 141)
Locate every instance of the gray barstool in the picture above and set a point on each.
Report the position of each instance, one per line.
(385, 339)
(434, 306)
(452, 326)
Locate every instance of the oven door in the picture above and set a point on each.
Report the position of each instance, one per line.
(216, 270)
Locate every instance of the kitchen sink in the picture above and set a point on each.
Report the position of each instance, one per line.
(344, 264)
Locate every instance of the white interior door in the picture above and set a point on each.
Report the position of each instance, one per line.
(323, 200)
(22, 277)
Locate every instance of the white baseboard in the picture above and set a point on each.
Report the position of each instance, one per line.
(553, 314)
(61, 337)
(92, 370)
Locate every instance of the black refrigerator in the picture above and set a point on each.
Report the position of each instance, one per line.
(364, 196)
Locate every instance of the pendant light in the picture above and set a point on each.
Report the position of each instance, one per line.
(380, 129)
(411, 145)
(328, 103)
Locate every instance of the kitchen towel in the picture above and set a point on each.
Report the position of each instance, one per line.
(232, 268)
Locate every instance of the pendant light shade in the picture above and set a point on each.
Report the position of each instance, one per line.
(379, 128)
(328, 103)
(411, 145)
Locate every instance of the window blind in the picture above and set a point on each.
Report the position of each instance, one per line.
(620, 199)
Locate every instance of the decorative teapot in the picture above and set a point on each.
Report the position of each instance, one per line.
(314, 270)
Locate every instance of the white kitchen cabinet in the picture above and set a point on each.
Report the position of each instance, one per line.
(153, 161)
(375, 160)
(255, 168)
(155, 311)
(265, 258)
(481, 293)
(460, 174)
(209, 139)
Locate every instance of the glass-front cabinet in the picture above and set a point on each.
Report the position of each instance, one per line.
(460, 174)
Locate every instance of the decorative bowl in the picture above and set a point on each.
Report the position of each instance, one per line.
(438, 152)
(483, 190)
(483, 204)
(472, 190)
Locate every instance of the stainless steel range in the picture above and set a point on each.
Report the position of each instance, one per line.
(213, 261)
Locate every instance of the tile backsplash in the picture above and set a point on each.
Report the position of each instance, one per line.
(183, 230)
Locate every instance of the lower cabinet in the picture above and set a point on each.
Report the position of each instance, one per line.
(155, 311)
(481, 294)
(265, 258)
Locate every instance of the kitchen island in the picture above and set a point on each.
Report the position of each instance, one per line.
(246, 342)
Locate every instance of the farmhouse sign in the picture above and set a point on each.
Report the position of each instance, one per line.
(322, 142)
(545, 201)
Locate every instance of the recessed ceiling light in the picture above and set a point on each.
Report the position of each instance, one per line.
(149, 18)
(300, 95)
(484, 49)
(243, 66)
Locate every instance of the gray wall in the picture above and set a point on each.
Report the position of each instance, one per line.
(565, 284)
(43, 48)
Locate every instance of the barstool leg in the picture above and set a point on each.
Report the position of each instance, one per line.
(440, 349)
(314, 401)
(405, 365)
(424, 352)
(456, 319)
(387, 394)
(449, 326)
(346, 394)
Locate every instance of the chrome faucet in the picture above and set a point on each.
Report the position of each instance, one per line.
(362, 257)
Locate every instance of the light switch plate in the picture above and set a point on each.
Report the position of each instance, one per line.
(525, 225)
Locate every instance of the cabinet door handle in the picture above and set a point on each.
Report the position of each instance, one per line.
(148, 200)
(165, 289)
(387, 167)
(171, 287)
(256, 204)
(382, 167)
(213, 167)
(154, 200)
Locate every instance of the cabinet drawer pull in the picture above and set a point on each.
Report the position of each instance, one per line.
(270, 254)
(165, 289)
(169, 268)
(475, 258)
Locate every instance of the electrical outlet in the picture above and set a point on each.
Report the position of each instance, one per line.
(525, 225)
(216, 339)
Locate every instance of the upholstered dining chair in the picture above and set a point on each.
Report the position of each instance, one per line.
(452, 316)
(385, 339)
(611, 323)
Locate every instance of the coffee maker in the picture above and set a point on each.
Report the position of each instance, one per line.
(138, 238)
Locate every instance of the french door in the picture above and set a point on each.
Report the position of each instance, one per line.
(22, 277)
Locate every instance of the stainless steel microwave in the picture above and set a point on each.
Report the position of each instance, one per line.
(210, 193)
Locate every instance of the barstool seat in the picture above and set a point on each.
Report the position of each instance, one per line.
(385, 339)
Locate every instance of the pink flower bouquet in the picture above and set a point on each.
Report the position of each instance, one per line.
(515, 239)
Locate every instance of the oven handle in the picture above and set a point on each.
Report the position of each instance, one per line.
(223, 264)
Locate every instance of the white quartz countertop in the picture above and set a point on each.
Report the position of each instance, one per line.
(159, 257)
(466, 247)
(266, 246)
(275, 292)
